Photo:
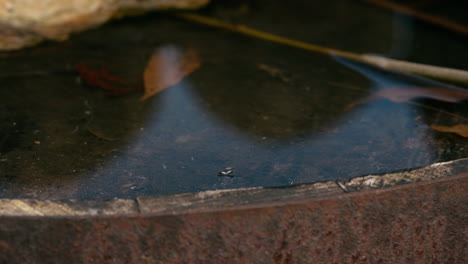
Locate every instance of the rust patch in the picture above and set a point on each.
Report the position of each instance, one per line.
(415, 223)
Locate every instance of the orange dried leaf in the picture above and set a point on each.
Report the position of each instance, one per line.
(460, 129)
(405, 94)
(167, 67)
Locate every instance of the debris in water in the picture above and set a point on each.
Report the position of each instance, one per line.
(100, 77)
(274, 72)
(227, 172)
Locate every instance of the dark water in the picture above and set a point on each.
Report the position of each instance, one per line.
(60, 138)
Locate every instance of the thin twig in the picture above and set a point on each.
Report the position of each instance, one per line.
(436, 20)
(435, 72)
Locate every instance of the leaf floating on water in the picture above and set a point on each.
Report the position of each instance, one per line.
(460, 129)
(405, 94)
(167, 67)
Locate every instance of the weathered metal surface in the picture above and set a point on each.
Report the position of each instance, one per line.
(434, 171)
(17, 207)
(423, 222)
(219, 199)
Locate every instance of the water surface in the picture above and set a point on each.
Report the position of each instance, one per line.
(61, 138)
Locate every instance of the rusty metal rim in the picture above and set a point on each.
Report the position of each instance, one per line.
(234, 199)
(380, 220)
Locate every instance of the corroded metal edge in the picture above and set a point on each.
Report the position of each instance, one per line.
(434, 171)
(224, 199)
(29, 207)
(420, 222)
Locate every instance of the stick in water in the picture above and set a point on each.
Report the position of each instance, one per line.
(435, 72)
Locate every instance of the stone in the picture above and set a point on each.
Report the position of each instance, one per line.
(26, 22)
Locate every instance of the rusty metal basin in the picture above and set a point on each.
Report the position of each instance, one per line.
(59, 170)
(416, 216)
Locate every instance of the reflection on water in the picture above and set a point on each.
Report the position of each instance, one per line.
(60, 138)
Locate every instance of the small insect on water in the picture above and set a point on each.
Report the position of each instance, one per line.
(227, 172)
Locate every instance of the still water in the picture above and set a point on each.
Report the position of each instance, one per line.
(254, 114)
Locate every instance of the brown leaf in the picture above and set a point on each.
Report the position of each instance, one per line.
(460, 129)
(405, 94)
(102, 78)
(167, 67)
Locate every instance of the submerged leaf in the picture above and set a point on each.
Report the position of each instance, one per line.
(102, 78)
(167, 67)
(460, 129)
(405, 94)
